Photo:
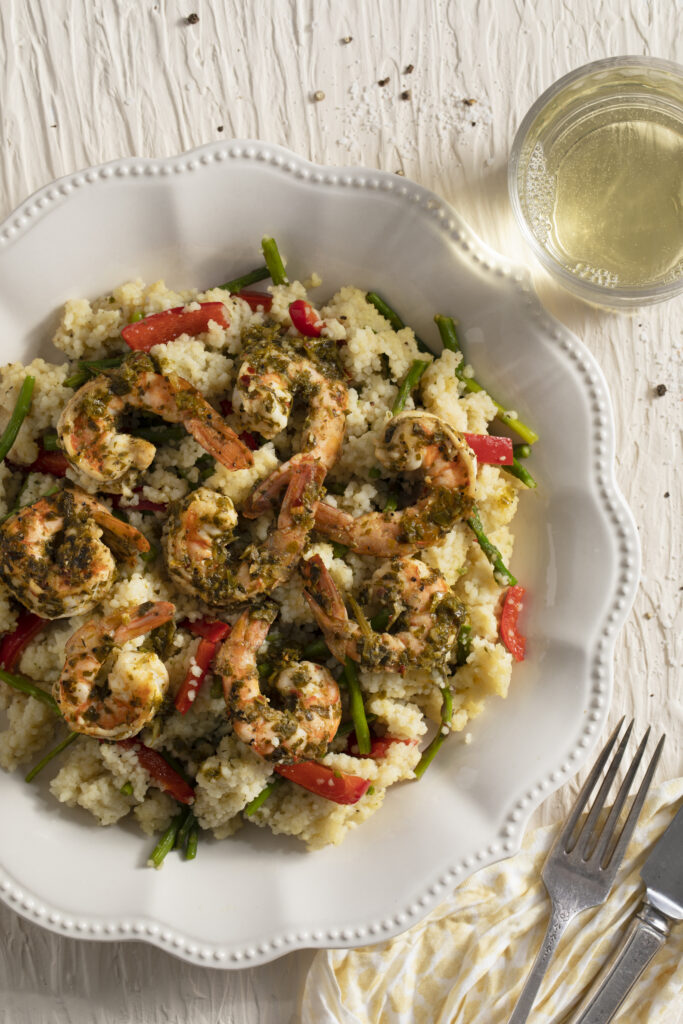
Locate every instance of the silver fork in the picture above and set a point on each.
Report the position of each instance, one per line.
(584, 860)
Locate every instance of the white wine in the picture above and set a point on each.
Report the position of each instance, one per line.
(618, 207)
(598, 173)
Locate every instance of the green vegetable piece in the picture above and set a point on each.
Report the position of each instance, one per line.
(264, 669)
(167, 841)
(374, 473)
(449, 339)
(135, 318)
(192, 841)
(216, 690)
(392, 316)
(184, 831)
(334, 487)
(239, 283)
(490, 550)
(432, 750)
(316, 650)
(357, 708)
(126, 789)
(19, 413)
(151, 555)
(464, 645)
(50, 442)
(521, 472)
(521, 451)
(261, 797)
(410, 382)
(26, 686)
(339, 550)
(66, 742)
(391, 503)
(380, 621)
(276, 267)
(161, 434)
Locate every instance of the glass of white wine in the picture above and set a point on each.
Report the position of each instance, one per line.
(596, 181)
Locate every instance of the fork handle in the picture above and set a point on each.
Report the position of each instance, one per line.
(560, 917)
(646, 934)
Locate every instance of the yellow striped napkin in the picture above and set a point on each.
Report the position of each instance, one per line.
(467, 961)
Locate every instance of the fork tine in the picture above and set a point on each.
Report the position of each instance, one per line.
(617, 853)
(586, 790)
(588, 832)
(609, 829)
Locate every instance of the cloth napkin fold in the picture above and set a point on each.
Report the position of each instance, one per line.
(467, 961)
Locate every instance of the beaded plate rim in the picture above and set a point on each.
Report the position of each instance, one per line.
(508, 839)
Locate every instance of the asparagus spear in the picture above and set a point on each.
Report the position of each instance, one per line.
(449, 338)
(433, 749)
(501, 572)
(238, 283)
(19, 413)
(26, 686)
(360, 722)
(392, 316)
(276, 267)
(167, 841)
(261, 797)
(410, 382)
(67, 741)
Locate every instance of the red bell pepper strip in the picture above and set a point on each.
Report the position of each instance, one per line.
(249, 439)
(164, 776)
(305, 318)
(160, 328)
(13, 644)
(55, 463)
(509, 634)
(206, 628)
(491, 450)
(211, 633)
(141, 505)
(255, 300)
(379, 746)
(339, 787)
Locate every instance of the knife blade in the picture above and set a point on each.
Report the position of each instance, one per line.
(648, 930)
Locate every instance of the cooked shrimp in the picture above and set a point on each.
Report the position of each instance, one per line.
(414, 442)
(269, 379)
(422, 607)
(106, 692)
(307, 721)
(198, 537)
(52, 558)
(88, 425)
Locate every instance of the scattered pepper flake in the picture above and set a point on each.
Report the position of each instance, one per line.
(318, 95)
(400, 172)
(192, 19)
(660, 390)
(220, 128)
(409, 69)
(383, 81)
(346, 40)
(405, 95)
(469, 102)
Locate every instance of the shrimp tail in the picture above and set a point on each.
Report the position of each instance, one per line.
(264, 496)
(141, 619)
(125, 540)
(221, 441)
(327, 607)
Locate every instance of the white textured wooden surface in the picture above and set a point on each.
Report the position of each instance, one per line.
(83, 81)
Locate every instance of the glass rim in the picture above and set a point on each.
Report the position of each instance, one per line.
(625, 296)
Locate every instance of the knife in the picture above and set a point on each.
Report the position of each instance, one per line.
(662, 906)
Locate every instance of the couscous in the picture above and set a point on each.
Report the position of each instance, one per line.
(239, 559)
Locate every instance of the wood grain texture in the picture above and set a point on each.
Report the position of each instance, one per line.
(84, 81)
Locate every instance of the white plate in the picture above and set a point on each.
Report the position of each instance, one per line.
(198, 220)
